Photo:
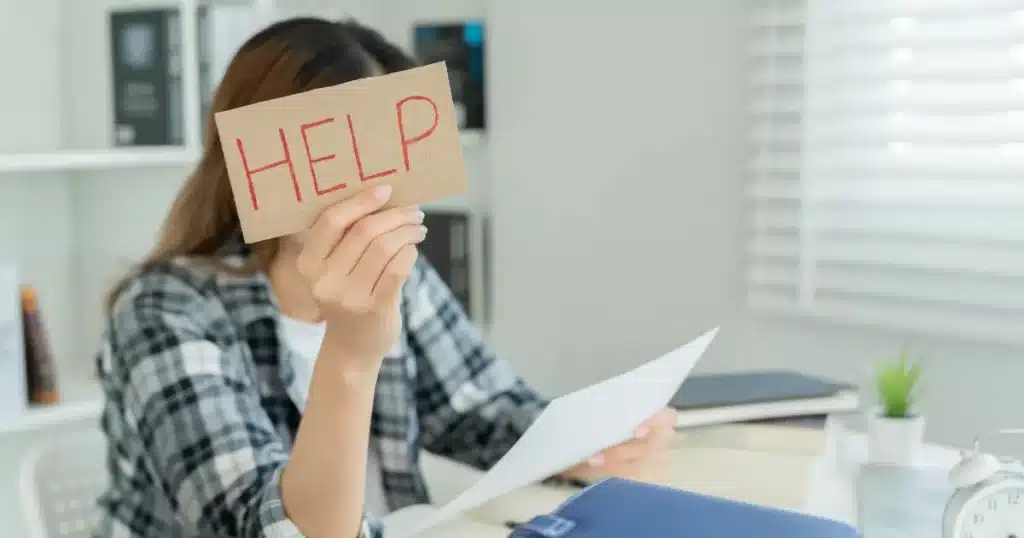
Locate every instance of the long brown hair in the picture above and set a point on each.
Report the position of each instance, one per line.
(288, 57)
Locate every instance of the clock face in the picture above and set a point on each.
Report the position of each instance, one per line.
(994, 513)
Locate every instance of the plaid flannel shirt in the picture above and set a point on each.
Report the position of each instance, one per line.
(200, 425)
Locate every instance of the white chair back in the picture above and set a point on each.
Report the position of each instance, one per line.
(60, 482)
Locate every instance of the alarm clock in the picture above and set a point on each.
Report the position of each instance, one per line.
(988, 496)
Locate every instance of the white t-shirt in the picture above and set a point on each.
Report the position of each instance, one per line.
(305, 339)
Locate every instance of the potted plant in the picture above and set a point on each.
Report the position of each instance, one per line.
(896, 428)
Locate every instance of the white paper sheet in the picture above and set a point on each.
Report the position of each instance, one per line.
(571, 429)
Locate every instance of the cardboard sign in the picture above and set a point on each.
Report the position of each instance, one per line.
(290, 158)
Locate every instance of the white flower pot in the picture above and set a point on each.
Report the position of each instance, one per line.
(895, 441)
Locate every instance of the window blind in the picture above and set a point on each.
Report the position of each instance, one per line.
(888, 163)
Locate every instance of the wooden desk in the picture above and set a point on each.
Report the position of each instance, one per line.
(776, 478)
(819, 482)
(467, 528)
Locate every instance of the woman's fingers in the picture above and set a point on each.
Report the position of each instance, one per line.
(389, 285)
(329, 228)
(368, 270)
(664, 419)
(356, 242)
(655, 440)
(623, 453)
(651, 469)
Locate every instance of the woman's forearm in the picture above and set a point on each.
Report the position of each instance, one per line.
(323, 483)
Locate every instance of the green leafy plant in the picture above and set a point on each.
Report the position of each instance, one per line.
(897, 382)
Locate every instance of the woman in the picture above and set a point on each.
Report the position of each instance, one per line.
(215, 350)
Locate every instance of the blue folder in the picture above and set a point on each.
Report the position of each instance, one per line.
(616, 508)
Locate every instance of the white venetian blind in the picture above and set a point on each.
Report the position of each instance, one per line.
(888, 164)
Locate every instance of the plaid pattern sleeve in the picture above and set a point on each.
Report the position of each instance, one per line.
(471, 406)
(188, 397)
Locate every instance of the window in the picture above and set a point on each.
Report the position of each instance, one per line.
(888, 163)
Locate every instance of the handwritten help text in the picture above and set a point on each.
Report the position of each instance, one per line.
(307, 130)
(290, 158)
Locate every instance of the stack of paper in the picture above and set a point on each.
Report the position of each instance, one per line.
(758, 437)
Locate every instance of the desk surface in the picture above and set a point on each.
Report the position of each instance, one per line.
(822, 485)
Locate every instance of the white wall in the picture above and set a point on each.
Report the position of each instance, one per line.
(616, 153)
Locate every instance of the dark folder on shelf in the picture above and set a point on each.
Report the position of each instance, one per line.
(760, 395)
(146, 46)
(446, 247)
(460, 44)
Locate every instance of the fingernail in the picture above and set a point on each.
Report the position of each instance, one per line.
(596, 461)
(642, 432)
(382, 192)
(420, 215)
(423, 232)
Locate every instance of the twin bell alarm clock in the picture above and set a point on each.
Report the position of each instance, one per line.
(988, 496)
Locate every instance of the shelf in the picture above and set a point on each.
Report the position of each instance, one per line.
(457, 204)
(99, 159)
(137, 157)
(40, 417)
(472, 137)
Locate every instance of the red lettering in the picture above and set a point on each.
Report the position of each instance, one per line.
(406, 142)
(249, 172)
(359, 161)
(312, 162)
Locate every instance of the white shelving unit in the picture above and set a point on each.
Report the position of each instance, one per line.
(38, 418)
(98, 159)
(82, 400)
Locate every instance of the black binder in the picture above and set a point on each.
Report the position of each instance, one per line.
(447, 247)
(461, 46)
(146, 49)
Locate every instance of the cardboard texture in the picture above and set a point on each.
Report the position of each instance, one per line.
(290, 158)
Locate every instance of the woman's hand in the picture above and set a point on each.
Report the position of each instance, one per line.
(644, 458)
(355, 259)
